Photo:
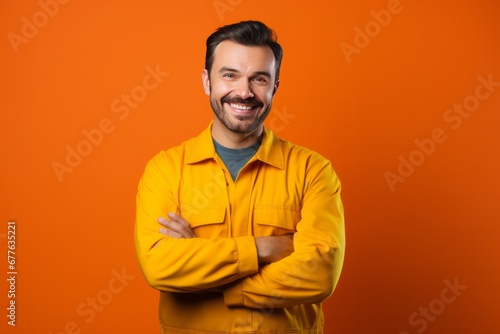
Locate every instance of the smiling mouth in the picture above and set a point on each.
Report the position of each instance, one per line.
(241, 107)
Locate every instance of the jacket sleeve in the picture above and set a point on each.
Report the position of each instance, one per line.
(182, 265)
(311, 272)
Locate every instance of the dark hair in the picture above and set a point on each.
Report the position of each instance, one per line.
(249, 33)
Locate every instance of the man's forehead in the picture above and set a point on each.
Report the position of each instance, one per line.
(241, 58)
(230, 50)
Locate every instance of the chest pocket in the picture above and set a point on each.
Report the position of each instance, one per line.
(206, 221)
(275, 220)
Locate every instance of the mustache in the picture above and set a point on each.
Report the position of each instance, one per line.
(251, 100)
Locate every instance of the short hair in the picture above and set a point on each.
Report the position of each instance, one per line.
(248, 33)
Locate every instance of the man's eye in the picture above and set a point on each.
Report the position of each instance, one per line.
(260, 80)
(228, 75)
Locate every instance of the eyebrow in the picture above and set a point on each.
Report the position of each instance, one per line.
(233, 70)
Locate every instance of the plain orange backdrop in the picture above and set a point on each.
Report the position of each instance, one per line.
(362, 99)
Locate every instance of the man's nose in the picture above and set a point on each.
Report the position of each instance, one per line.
(244, 89)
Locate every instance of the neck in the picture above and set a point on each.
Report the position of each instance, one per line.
(230, 139)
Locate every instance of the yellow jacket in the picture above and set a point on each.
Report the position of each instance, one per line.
(213, 283)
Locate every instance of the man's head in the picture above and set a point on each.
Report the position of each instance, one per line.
(241, 76)
(248, 33)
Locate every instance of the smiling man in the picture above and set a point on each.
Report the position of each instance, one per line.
(240, 231)
(241, 87)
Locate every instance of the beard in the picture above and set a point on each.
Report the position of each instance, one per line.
(245, 123)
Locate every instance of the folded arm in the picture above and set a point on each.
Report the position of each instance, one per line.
(311, 272)
(176, 264)
(269, 248)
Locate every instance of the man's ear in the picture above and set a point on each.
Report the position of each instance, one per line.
(276, 85)
(206, 81)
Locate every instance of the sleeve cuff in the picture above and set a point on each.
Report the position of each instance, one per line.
(247, 256)
(248, 265)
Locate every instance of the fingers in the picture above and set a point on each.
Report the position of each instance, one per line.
(178, 219)
(176, 227)
(187, 231)
(171, 233)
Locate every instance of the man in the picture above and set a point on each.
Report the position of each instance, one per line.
(240, 231)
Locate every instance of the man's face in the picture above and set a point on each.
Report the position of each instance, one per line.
(241, 86)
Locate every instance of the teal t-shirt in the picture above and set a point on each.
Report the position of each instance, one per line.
(236, 158)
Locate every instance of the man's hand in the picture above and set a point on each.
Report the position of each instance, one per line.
(176, 227)
(274, 248)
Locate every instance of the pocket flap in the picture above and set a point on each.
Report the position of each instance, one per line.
(203, 215)
(278, 216)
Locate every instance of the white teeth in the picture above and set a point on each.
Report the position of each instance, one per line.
(240, 107)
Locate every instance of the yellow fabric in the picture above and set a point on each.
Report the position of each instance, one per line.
(213, 283)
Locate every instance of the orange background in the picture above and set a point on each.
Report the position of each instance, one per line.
(363, 111)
